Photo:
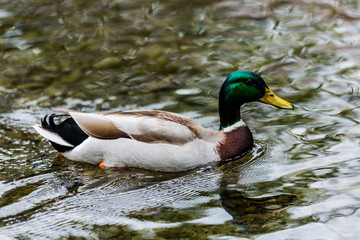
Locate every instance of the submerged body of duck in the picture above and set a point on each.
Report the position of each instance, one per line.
(159, 140)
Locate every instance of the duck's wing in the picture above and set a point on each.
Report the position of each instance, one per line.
(146, 126)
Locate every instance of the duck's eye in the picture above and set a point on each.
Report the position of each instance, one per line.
(248, 82)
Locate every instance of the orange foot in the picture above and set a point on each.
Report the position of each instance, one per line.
(59, 155)
(102, 165)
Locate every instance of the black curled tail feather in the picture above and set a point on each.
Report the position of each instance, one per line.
(68, 130)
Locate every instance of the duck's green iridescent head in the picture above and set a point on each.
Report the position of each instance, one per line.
(241, 87)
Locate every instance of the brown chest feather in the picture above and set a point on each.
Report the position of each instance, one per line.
(235, 143)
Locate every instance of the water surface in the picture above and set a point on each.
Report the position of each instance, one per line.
(301, 180)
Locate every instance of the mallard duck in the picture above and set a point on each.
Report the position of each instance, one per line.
(159, 140)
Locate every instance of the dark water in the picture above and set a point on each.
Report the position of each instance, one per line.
(300, 182)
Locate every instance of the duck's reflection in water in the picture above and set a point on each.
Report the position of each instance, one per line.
(253, 212)
(250, 196)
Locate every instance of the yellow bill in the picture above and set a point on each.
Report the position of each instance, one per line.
(272, 99)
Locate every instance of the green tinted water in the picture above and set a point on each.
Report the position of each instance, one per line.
(300, 182)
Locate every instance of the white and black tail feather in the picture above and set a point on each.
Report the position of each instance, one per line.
(64, 136)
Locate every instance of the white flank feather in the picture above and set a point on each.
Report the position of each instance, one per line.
(124, 152)
(54, 137)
